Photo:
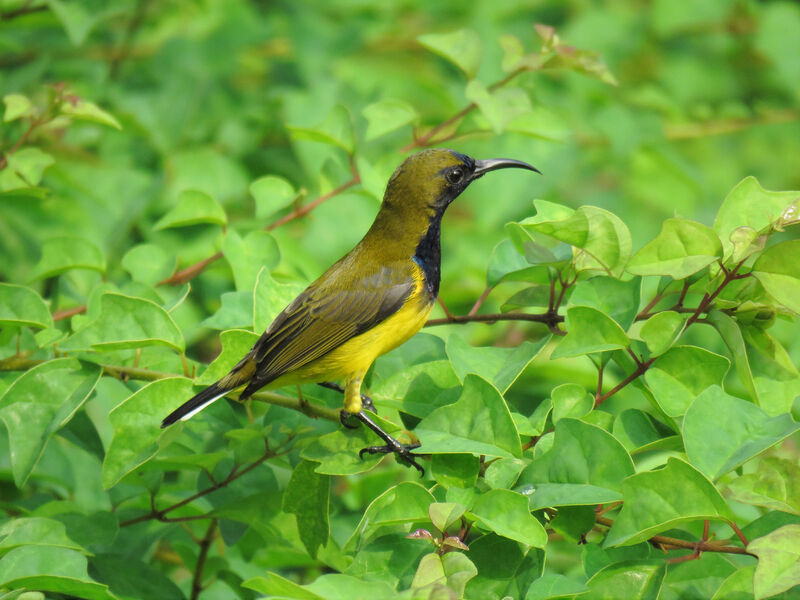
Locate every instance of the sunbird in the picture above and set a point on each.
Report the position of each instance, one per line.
(369, 302)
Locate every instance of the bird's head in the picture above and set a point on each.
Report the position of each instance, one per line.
(428, 181)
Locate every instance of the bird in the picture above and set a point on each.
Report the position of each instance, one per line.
(369, 302)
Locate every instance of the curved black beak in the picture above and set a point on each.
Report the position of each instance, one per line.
(492, 164)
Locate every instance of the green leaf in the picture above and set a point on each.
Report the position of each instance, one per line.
(738, 586)
(553, 585)
(17, 105)
(507, 514)
(463, 48)
(506, 264)
(193, 207)
(34, 531)
(775, 484)
(235, 344)
(749, 205)
(21, 306)
(589, 331)
(678, 376)
(236, 311)
(444, 514)
(778, 270)
(418, 389)
(277, 586)
(478, 423)
(271, 193)
(635, 429)
(39, 403)
(148, 263)
(617, 299)
(386, 116)
(75, 19)
(450, 572)
(129, 577)
(335, 130)
(778, 567)
(731, 334)
(459, 470)
(500, 366)
(307, 497)
(400, 505)
(83, 110)
(24, 169)
(505, 567)
(570, 400)
(270, 297)
(721, 432)
(126, 322)
(50, 569)
(337, 452)
(654, 501)
(137, 426)
(500, 106)
(682, 248)
(64, 253)
(602, 236)
(585, 465)
(661, 330)
(248, 255)
(636, 580)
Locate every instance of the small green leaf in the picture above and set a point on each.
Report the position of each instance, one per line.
(661, 330)
(337, 452)
(459, 470)
(641, 580)
(148, 263)
(506, 264)
(21, 306)
(681, 249)
(479, 422)
(500, 366)
(749, 205)
(617, 299)
(552, 586)
(678, 376)
(247, 255)
(307, 496)
(126, 322)
(585, 465)
(731, 333)
(271, 193)
(635, 429)
(137, 426)
(235, 344)
(449, 572)
(83, 110)
(39, 403)
(386, 116)
(75, 19)
(500, 106)
(778, 270)
(25, 168)
(778, 567)
(721, 432)
(64, 253)
(589, 331)
(17, 106)
(193, 208)
(462, 47)
(570, 400)
(418, 389)
(235, 312)
(507, 514)
(335, 130)
(654, 501)
(775, 484)
(444, 514)
(270, 297)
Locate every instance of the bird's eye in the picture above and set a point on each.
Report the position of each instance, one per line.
(455, 175)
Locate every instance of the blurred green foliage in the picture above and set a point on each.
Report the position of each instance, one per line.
(174, 172)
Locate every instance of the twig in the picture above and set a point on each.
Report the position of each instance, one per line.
(22, 139)
(205, 544)
(25, 9)
(546, 318)
(69, 312)
(479, 302)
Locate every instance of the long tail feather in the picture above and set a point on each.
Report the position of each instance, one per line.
(197, 403)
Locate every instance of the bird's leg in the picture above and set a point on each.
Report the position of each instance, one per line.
(366, 401)
(392, 445)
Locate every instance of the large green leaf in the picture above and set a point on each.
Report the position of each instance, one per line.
(34, 531)
(137, 423)
(335, 130)
(479, 422)
(638, 580)
(681, 249)
(553, 585)
(778, 270)
(21, 306)
(39, 403)
(775, 484)
(749, 205)
(418, 389)
(386, 116)
(127, 322)
(617, 299)
(248, 255)
(654, 501)
(589, 331)
(271, 193)
(307, 496)
(721, 432)
(507, 514)
(193, 207)
(461, 47)
(64, 253)
(730, 331)
(585, 465)
(235, 344)
(270, 297)
(778, 566)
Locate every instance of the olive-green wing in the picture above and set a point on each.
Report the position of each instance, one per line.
(324, 316)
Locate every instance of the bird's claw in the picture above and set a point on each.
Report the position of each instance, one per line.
(403, 451)
(343, 416)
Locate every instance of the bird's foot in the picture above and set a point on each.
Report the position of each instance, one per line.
(366, 401)
(343, 419)
(392, 446)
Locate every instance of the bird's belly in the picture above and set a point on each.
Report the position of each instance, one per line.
(359, 352)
